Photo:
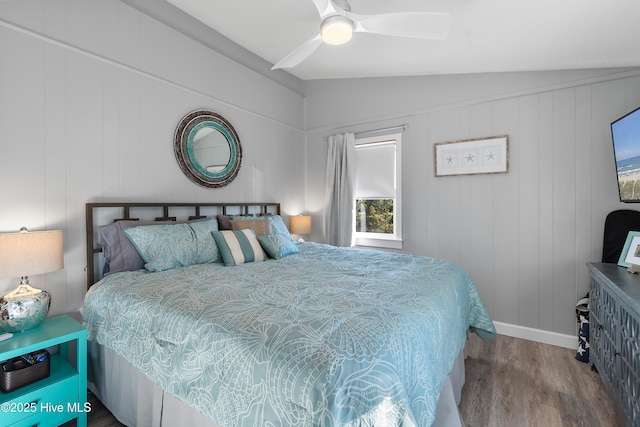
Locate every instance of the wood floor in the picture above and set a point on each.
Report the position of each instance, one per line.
(512, 382)
(515, 382)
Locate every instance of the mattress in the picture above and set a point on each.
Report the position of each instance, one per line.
(328, 336)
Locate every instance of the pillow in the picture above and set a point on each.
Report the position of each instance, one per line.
(277, 224)
(259, 226)
(119, 253)
(207, 248)
(278, 227)
(238, 246)
(167, 246)
(224, 222)
(278, 245)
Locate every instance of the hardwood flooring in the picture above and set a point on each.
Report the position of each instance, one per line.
(99, 415)
(515, 382)
(511, 382)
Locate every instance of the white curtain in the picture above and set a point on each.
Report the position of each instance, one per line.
(341, 178)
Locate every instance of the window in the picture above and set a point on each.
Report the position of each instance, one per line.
(377, 220)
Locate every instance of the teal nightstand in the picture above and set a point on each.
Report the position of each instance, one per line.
(63, 396)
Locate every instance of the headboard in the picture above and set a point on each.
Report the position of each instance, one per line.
(98, 214)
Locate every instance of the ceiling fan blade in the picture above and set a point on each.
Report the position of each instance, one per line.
(299, 54)
(418, 25)
(325, 7)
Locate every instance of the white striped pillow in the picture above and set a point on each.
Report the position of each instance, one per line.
(238, 246)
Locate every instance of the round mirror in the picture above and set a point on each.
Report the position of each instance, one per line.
(208, 149)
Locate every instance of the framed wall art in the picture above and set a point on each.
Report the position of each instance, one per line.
(472, 156)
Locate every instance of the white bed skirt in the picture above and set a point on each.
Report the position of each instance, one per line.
(137, 402)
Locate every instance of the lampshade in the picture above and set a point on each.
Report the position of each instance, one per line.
(28, 253)
(300, 224)
(23, 254)
(336, 30)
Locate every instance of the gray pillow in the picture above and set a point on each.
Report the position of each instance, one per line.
(119, 253)
(224, 222)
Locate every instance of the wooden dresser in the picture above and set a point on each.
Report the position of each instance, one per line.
(614, 323)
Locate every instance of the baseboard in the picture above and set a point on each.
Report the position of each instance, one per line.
(538, 335)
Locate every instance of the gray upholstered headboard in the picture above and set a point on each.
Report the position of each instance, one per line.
(98, 214)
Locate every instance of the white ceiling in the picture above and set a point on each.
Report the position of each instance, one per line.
(485, 36)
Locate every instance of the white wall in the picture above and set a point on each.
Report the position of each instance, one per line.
(524, 236)
(90, 95)
(91, 92)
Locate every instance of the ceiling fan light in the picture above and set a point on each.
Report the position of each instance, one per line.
(336, 30)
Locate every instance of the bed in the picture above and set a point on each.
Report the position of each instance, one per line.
(247, 328)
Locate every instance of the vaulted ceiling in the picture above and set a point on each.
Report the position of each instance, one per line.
(485, 36)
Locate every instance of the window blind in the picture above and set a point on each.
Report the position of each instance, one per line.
(375, 171)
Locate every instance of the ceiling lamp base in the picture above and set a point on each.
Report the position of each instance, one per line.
(336, 30)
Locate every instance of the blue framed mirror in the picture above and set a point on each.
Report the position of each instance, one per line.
(207, 149)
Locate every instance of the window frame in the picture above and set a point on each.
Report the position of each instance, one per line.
(384, 240)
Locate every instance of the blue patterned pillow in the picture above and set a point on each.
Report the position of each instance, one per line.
(207, 248)
(278, 245)
(167, 246)
(278, 226)
(238, 246)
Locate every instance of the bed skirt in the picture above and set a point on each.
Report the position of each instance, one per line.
(136, 401)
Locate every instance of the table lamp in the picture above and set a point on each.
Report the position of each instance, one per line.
(21, 255)
(300, 224)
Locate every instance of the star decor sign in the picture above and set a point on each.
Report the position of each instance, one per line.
(472, 156)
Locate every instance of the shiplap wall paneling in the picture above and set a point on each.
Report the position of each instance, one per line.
(430, 192)
(525, 236)
(448, 193)
(133, 126)
(410, 168)
(418, 169)
(23, 154)
(479, 203)
(529, 255)
(115, 140)
(585, 239)
(315, 177)
(563, 159)
(84, 147)
(506, 193)
(464, 212)
(91, 95)
(608, 103)
(545, 211)
(54, 138)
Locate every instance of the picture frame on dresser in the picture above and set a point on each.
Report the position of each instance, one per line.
(630, 254)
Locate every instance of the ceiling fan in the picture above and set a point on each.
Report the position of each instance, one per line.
(338, 25)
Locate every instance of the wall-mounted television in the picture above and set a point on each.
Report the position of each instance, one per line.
(625, 133)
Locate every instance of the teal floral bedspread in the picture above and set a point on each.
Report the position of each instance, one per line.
(326, 337)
